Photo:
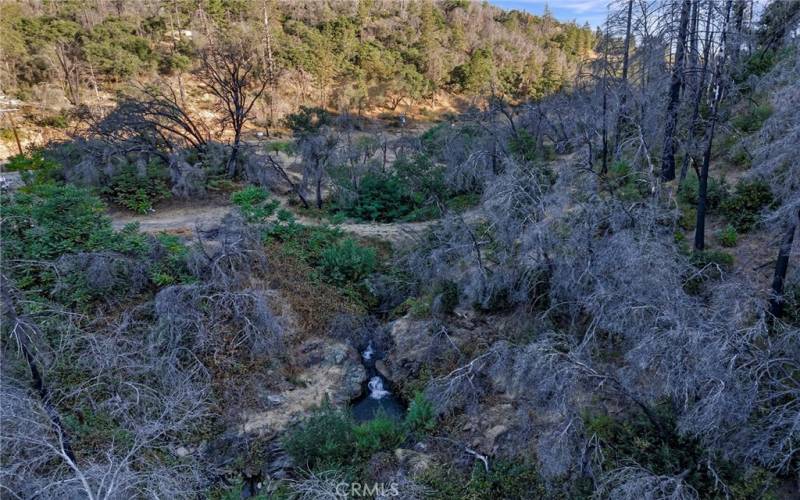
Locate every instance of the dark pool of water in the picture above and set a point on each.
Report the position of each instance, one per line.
(378, 395)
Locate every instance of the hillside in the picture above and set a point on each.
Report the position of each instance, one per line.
(415, 59)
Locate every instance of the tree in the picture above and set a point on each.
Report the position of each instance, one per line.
(676, 82)
(232, 72)
(719, 86)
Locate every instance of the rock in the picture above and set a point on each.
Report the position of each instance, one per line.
(413, 462)
(380, 366)
(492, 435)
(182, 451)
(274, 399)
(333, 371)
(411, 341)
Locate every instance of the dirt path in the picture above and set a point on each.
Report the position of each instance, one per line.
(184, 219)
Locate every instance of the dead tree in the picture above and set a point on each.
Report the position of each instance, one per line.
(698, 97)
(231, 71)
(154, 115)
(719, 91)
(676, 82)
(624, 87)
(781, 266)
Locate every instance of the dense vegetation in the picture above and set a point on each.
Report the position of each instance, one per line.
(355, 56)
(584, 284)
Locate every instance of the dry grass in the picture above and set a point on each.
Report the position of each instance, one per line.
(314, 303)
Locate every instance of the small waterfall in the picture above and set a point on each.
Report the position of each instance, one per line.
(368, 352)
(377, 395)
(376, 389)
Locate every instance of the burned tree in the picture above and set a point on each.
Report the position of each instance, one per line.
(233, 73)
(676, 83)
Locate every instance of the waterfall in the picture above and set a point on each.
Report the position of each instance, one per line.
(368, 352)
(376, 390)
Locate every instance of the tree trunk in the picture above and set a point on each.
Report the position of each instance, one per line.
(604, 168)
(624, 87)
(699, 232)
(234, 155)
(781, 266)
(698, 97)
(9, 314)
(668, 154)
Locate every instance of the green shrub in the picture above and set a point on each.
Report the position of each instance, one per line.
(743, 207)
(138, 191)
(753, 119)
(329, 438)
(254, 203)
(791, 307)
(719, 258)
(48, 220)
(507, 480)
(627, 184)
(169, 266)
(59, 120)
(380, 433)
(664, 450)
(728, 236)
(446, 297)
(346, 262)
(757, 64)
(380, 197)
(688, 218)
(288, 147)
(325, 439)
(420, 416)
(307, 120)
(45, 221)
(35, 167)
(462, 202)
(689, 190)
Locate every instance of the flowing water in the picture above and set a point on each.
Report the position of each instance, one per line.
(377, 395)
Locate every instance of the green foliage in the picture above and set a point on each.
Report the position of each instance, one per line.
(346, 262)
(462, 202)
(288, 147)
(664, 451)
(718, 258)
(410, 193)
(329, 438)
(48, 220)
(791, 307)
(380, 433)
(758, 64)
(58, 120)
(254, 203)
(688, 218)
(753, 119)
(475, 75)
(115, 48)
(380, 197)
(35, 167)
(728, 236)
(307, 120)
(508, 480)
(716, 192)
(92, 429)
(169, 266)
(325, 439)
(420, 416)
(744, 206)
(138, 191)
(627, 184)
